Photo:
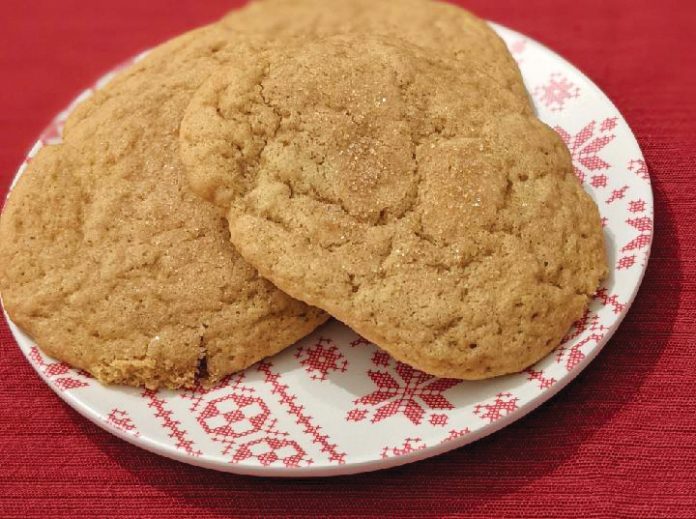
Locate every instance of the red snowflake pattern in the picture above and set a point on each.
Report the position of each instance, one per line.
(609, 123)
(381, 358)
(599, 181)
(199, 392)
(626, 262)
(60, 374)
(578, 327)
(644, 226)
(298, 412)
(244, 425)
(120, 419)
(409, 445)
(640, 168)
(504, 404)
(617, 194)
(231, 414)
(456, 433)
(269, 450)
(643, 240)
(321, 359)
(636, 206)
(556, 92)
(585, 147)
(407, 393)
(610, 299)
(628, 256)
(356, 415)
(438, 420)
(234, 416)
(169, 423)
(588, 325)
(544, 383)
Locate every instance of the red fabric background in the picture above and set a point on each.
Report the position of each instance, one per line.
(619, 441)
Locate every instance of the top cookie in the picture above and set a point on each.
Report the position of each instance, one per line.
(440, 26)
(417, 200)
(110, 263)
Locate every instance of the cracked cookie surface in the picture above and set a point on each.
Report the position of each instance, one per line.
(419, 201)
(111, 264)
(436, 25)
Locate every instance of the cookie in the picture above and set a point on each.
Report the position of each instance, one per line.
(440, 26)
(424, 206)
(111, 264)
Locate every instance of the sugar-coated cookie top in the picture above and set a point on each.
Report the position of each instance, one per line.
(445, 28)
(408, 193)
(113, 265)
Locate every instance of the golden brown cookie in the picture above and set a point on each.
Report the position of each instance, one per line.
(412, 197)
(111, 264)
(443, 27)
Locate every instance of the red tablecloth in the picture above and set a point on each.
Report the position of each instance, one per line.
(619, 441)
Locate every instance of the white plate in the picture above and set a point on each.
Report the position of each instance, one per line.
(335, 404)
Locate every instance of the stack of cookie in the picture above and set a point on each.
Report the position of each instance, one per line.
(379, 162)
